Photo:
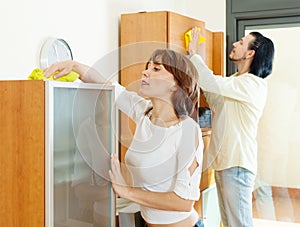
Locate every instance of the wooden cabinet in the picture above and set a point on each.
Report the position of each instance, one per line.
(22, 154)
(46, 176)
(141, 34)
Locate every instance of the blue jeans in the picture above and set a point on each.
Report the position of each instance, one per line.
(234, 187)
(199, 223)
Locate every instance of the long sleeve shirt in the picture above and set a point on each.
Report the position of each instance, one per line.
(237, 103)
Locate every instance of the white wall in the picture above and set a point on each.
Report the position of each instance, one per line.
(90, 27)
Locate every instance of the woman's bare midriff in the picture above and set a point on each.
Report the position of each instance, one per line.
(189, 221)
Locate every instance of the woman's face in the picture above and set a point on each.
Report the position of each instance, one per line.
(157, 82)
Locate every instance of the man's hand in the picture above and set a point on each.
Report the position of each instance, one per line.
(194, 46)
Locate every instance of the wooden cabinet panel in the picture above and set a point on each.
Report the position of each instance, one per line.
(141, 27)
(218, 53)
(141, 34)
(22, 145)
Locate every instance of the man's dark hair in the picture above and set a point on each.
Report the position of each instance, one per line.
(262, 63)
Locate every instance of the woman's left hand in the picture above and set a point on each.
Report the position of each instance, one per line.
(119, 184)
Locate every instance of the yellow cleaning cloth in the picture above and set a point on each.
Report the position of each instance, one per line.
(38, 74)
(188, 38)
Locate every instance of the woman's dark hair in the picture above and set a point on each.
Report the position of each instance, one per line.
(186, 96)
(264, 54)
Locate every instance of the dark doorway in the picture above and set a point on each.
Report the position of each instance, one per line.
(242, 13)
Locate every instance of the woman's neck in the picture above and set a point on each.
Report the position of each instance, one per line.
(163, 114)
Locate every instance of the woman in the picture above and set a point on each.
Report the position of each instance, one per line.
(165, 156)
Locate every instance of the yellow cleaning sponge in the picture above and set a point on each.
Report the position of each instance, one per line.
(38, 74)
(188, 38)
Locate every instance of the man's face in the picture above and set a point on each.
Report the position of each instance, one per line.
(240, 49)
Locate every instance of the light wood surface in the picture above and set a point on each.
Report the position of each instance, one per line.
(22, 153)
(218, 53)
(141, 34)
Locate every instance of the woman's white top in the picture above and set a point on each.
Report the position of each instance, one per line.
(237, 103)
(158, 157)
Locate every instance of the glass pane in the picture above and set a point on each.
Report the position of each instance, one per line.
(277, 191)
(83, 143)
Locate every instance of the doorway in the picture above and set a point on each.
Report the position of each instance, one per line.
(277, 194)
(276, 200)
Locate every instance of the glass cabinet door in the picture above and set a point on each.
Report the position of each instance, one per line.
(80, 140)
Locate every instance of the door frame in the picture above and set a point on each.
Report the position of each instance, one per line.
(243, 13)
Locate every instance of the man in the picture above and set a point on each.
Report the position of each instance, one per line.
(237, 102)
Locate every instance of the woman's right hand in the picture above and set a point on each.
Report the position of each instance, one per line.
(119, 184)
(59, 69)
(86, 73)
